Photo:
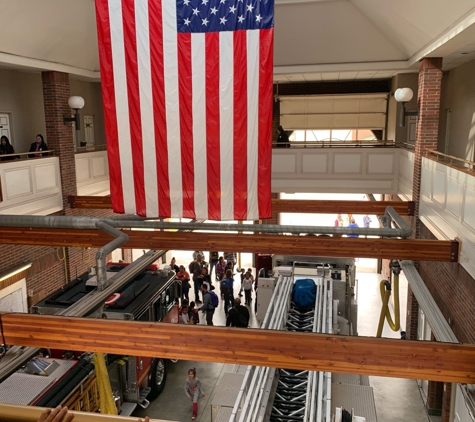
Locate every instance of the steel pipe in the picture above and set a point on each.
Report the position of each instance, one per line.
(120, 239)
(129, 222)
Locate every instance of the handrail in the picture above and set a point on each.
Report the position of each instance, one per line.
(322, 144)
(406, 145)
(90, 148)
(451, 157)
(32, 153)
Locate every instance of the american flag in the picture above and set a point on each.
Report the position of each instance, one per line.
(187, 93)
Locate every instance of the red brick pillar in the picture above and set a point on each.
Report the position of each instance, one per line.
(59, 136)
(427, 129)
(446, 401)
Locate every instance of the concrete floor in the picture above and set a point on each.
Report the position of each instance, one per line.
(396, 399)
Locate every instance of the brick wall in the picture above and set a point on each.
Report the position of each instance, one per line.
(427, 129)
(454, 291)
(59, 136)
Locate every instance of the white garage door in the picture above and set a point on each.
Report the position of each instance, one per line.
(365, 111)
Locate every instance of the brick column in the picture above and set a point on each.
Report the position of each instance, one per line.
(446, 401)
(427, 129)
(59, 136)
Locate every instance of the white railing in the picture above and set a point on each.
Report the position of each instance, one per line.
(335, 170)
(92, 173)
(447, 201)
(30, 187)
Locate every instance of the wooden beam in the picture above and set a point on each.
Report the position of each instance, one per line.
(412, 249)
(16, 413)
(279, 349)
(284, 205)
(90, 202)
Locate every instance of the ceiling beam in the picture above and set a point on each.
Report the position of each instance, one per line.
(283, 205)
(278, 349)
(407, 249)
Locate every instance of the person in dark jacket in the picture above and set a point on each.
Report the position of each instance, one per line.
(6, 148)
(207, 307)
(283, 138)
(37, 146)
(238, 316)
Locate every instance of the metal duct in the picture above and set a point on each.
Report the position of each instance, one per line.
(90, 223)
(120, 239)
(438, 324)
(97, 298)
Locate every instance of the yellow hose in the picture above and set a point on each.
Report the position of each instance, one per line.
(106, 399)
(385, 289)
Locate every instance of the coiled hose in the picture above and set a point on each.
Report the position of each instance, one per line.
(385, 289)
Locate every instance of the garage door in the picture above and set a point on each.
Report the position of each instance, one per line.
(366, 111)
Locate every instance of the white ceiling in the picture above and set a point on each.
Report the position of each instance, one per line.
(315, 40)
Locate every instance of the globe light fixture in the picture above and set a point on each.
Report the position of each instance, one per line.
(76, 103)
(402, 96)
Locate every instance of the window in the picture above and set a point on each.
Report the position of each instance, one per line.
(332, 135)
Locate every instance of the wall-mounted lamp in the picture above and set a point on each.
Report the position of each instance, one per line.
(404, 95)
(76, 103)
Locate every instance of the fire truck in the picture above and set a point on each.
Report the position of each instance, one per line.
(65, 377)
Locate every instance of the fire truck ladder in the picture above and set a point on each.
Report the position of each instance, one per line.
(299, 395)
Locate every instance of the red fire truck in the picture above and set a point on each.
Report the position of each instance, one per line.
(62, 377)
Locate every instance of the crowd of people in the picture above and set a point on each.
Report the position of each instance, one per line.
(351, 222)
(212, 282)
(37, 148)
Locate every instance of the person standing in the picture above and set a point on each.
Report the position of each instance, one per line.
(227, 285)
(220, 268)
(173, 265)
(230, 258)
(184, 277)
(339, 221)
(283, 138)
(198, 279)
(238, 316)
(213, 260)
(193, 390)
(207, 307)
(353, 225)
(247, 286)
(366, 221)
(37, 146)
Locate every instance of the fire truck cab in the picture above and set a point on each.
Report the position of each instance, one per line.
(62, 377)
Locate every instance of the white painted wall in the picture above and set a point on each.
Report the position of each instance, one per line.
(21, 95)
(458, 96)
(335, 170)
(30, 187)
(91, 92)
(92, 173)
(447, 207)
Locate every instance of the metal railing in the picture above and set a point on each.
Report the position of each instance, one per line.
(467, 164)
(334, 144)
(90, 148)
(26, 155)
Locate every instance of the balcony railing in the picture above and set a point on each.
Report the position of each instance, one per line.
(26, 155)
(460, 163)
(90, 148)
(334, 144)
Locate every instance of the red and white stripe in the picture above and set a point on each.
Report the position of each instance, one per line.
(188, 116)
